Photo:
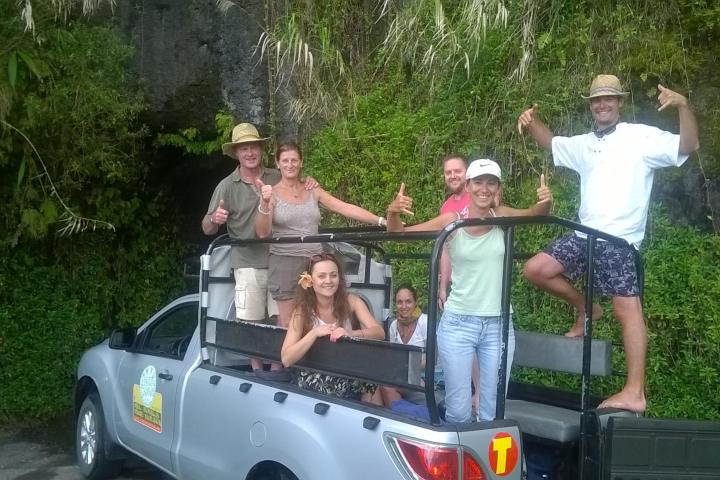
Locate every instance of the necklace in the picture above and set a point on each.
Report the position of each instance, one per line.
(293, 189)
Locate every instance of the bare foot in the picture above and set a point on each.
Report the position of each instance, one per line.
(579, 326)
(625, 400)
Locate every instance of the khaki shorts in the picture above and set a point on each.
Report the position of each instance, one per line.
(251, 296)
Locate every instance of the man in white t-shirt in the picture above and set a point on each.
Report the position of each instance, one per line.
(616, 164)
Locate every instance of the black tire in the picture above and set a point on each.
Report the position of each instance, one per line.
(270, 471)
(90, 439)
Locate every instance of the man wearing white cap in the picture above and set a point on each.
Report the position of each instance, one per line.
(234, 203)
(616, 163)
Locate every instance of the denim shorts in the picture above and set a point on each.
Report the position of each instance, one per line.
(614, 272)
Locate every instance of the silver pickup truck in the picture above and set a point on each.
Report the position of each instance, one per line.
(178, 392)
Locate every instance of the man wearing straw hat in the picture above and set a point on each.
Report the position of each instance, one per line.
(616, 164)
(234, 203)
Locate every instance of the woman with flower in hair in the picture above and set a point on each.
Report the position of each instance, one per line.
(288, 209)
(323, 308)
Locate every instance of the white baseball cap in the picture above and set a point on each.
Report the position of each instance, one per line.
(483, 166)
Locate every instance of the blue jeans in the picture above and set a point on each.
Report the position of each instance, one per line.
(460, 337)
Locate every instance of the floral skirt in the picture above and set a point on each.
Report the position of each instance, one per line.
(331, 385)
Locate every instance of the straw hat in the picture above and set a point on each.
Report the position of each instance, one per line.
(605, 86)
(242, 133)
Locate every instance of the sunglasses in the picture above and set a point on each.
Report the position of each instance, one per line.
(321, 257)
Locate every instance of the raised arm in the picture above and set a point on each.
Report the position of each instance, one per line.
(530, 120)
(266, 207)
(347, 210)
(211, 223)
(402, 204)
(689, 141)
(542, 207)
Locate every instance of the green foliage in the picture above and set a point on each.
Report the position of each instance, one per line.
(69, 124)
(27, 10)
(189, 140)
(59, 298)
(70, 142)
(683, 316)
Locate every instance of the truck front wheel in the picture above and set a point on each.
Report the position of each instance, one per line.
(90, 441)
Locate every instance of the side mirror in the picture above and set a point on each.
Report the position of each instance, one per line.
(122, 338)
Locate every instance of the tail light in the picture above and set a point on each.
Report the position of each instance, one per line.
(426, 461)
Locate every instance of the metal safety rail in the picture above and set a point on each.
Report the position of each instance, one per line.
(369, 237)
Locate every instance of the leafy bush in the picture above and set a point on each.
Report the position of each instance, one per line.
(70, 139)
(59, 298)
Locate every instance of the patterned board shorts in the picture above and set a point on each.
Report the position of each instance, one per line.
(614, 273)
(332, 385)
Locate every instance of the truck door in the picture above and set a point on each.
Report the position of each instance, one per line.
(647, 448)
(149, 376)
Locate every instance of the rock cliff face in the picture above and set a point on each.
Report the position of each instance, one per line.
(193, 60)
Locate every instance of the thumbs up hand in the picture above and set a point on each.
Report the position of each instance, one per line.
(265, 191)
(220, 215)
(527, 117)
(401, 203)
(543, 192)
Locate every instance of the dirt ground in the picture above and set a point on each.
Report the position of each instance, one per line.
(47, 452)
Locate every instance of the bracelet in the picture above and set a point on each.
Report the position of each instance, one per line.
(380, 221)
(263, 212)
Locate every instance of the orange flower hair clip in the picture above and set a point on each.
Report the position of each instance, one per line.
(305, 280)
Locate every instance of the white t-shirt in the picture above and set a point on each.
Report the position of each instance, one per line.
(616, 175)
(419, 336)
